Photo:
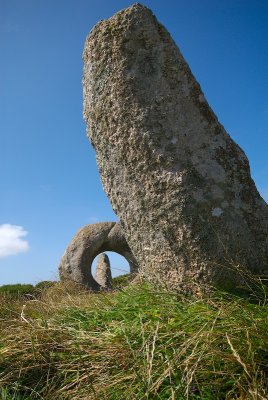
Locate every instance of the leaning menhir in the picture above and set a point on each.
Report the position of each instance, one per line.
(179, 184)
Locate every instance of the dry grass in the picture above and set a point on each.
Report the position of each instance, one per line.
(132, 344)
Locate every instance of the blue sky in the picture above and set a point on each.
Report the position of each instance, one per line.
(50, 185)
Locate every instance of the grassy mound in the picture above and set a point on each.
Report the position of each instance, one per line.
(17, 290)
(121, 281)
(132, 344)
(20, 291)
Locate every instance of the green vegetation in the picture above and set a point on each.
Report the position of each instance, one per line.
(17, 290)
(132, 344)
(45, 284)
(121, 281)
(24, 290)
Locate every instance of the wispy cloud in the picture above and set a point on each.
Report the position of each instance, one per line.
(12, 240)
(93, 220)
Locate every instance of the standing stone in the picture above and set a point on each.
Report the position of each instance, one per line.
(103, 272)
(179, 184)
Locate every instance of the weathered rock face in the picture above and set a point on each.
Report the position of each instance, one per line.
(179, 184)
(103, 272)
(90, 241)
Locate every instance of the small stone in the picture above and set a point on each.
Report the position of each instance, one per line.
(103, 272)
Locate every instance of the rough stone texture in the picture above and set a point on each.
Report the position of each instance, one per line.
(179, 184)
(88, 242)
(103, 272)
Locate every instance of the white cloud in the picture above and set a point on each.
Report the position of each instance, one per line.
(11, 240)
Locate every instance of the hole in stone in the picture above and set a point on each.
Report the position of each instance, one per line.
(119, 265)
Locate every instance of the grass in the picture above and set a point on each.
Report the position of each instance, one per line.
(121, 281)
(17, 290)
(134, 343)
(24, 290)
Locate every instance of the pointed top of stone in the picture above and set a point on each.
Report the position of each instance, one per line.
(134, 8)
